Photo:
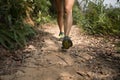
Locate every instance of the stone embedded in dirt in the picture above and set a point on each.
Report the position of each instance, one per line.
(30, 48)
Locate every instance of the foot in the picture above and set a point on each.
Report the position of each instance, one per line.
(66, 43)
(61, 35)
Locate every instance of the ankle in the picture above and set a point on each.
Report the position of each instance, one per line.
(61, 32)
(66, 37)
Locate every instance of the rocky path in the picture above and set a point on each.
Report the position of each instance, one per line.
(91, 58)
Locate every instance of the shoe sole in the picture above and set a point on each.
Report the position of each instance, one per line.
(67, 44)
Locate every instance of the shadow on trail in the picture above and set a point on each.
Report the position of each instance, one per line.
(102, 64)
(10, 62)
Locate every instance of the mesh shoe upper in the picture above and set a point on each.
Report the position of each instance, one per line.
(66, 43)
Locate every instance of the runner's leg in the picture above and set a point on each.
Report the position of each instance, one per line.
(68, 16)
(67, 42)
(60, 14)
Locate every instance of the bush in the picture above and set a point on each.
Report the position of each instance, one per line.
(13, 31)
(41, 11)
(98, 19)
(114, 17)
(77, 14)
(16, 36)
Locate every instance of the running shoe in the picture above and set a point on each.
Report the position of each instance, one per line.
(66, 43)
(61, 35)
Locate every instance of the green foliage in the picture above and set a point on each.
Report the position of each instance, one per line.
(15, 36)
(101, 20)
(114, 18)
(13, 31)
(95, 18)
(77, 15)
(41, 11)
(11, 10)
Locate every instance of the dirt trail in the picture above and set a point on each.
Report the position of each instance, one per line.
(91, 58)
